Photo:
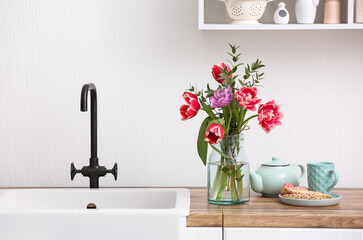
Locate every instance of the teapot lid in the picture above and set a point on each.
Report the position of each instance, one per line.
(275, 163)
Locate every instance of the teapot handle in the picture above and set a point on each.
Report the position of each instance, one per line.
(302, 168)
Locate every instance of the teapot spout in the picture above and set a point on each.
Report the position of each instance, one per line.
(256, 182)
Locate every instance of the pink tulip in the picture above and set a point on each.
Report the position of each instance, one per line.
(247, 98)
(216, 72)
(269, 116)
(214, 133)
(192, 107)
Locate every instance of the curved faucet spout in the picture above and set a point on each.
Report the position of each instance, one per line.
(93, 170)
(84, 97)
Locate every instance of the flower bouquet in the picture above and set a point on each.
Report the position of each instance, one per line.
(228, 111)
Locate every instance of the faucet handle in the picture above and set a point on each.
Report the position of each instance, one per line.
(113, 171)
(74, 171)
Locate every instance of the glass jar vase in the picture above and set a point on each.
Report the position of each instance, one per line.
(228, 172)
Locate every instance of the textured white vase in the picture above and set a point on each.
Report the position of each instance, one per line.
(305, 10)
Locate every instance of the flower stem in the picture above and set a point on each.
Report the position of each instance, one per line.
(253, 116)
(234, 193)
(230, 118)
(217, 177)
(239, 183)
(235, 188)
(220, 187)
(245, 122)
(241, 119)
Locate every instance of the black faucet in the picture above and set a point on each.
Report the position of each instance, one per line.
(93, 171)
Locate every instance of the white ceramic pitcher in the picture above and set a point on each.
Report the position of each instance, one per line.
(305, 10)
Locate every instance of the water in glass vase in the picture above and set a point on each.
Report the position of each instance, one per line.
(228, 173)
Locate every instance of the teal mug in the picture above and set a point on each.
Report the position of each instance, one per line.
(322, 177)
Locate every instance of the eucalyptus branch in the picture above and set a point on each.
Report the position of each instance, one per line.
(252, 72)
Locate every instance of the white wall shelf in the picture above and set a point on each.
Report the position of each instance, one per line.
(279, 27)
(213, 16)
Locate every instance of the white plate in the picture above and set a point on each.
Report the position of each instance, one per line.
(312, 203)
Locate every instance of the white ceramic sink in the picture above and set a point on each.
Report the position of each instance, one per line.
(62, 214)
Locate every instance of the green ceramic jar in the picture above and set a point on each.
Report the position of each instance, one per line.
(269, 178)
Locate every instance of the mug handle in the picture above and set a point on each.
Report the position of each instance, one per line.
(336, 178)
(302, 168)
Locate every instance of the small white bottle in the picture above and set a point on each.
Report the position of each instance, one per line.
(281, 15)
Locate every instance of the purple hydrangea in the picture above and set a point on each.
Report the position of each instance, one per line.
(221, 97)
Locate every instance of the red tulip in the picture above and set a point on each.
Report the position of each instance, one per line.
(216, 72)
(214, 133)
(192, 107)
(269, 116)
(247, 98)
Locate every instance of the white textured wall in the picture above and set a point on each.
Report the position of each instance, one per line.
(142, 55)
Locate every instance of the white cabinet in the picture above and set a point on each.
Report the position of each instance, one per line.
(213, 16)
(292, 233)
(204, 233)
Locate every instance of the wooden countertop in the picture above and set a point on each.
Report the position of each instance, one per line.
(270, 212)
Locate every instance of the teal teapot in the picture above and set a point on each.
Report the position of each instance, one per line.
(271, 176)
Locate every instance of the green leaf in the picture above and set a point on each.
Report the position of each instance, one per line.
(240, 178)
(239, 167)
(202, 146)
(219, 151)
(233, 48)
(228, 171)
(219, 121)
(207, 109)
